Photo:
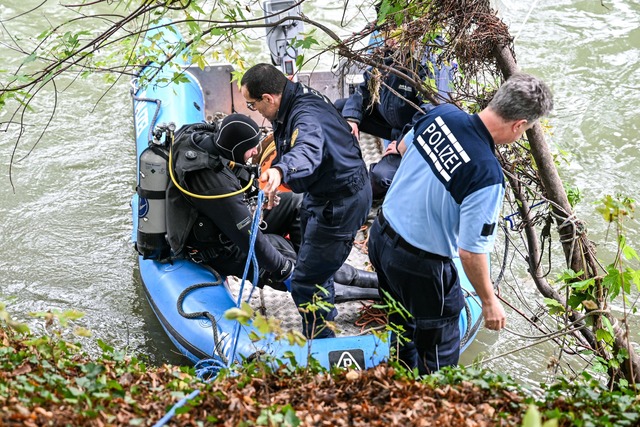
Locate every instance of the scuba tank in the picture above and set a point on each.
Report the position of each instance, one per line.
(152, 185)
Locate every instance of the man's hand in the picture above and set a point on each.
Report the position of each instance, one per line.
(391, 149)
(285, 274)
(494, 315)
(279, 280)
(355, 131)
(476, 267)
(272, 177)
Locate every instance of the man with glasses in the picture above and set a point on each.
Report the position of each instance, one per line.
(318, 156)
(252, 105)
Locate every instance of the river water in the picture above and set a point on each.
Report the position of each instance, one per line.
(66, 219)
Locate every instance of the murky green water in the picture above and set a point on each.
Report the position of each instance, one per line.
(66, 221)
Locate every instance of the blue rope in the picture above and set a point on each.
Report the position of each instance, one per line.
(208, 369)
(509, 218)
(251, 258)
(172, 411)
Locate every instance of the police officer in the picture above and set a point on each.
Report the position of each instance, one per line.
(209, 161)
(444, 201)
(318, 156)
(396, 110)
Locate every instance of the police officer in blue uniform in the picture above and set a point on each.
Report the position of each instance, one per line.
(398, 108)
(444, 202)
(318, 156)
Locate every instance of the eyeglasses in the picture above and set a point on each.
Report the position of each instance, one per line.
(252, 105)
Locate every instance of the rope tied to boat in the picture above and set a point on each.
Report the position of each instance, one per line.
(208, 369)
(214, 324)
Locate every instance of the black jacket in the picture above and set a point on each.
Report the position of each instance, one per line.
(400, 114)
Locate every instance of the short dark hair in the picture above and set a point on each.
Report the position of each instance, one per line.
(264, 78)
(522, 96)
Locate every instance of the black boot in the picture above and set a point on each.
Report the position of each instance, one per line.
(365, 279)
(350, 276)
(352, 293)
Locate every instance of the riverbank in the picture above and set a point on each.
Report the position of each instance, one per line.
(47, 381)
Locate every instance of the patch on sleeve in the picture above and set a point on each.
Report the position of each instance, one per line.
(487, 229)
(244, 223)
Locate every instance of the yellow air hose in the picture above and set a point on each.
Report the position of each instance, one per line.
(202, 196)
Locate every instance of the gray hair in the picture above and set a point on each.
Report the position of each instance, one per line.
(522, 96)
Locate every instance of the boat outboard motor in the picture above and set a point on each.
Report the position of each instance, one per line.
(152, 186)
(279, 36)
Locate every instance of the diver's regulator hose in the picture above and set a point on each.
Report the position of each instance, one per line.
(202, 196)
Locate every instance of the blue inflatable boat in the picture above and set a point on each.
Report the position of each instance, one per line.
(190, 300)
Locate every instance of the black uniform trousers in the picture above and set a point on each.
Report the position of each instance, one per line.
(428, 287)
(329, 227)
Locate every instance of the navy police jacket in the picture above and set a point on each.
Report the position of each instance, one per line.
(316, 151)
(398, 113)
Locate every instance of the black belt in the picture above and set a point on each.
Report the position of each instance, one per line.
(389, 231)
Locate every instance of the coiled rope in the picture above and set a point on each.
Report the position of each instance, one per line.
(195, 315)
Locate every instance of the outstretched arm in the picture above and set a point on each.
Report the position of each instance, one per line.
(476, 267)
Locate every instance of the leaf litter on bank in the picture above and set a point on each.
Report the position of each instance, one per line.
(48, 382)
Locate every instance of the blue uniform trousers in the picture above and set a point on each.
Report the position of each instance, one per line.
(329, 227)
(428, 287)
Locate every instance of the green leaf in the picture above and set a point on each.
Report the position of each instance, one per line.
(254, 337)
(582, 285)
(604, 335)
(290, 417)
(630, 253)
(532, 417)
(634, 276)
(82, 332)
(199, 61)
(305, 43)
(101, 395)
(261, 323)
(568, 275)
(43, 35)
(20, 327)
(76, 392)
(554, 306)
(197, 8)
(30, 58)
(613, 281)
